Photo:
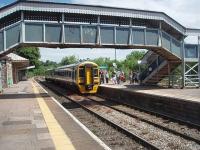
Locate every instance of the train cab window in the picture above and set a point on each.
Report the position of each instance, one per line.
(81, 72)
(95, 72)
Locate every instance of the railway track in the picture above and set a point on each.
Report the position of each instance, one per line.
(145, 144)
(184, 131)
(149, 134)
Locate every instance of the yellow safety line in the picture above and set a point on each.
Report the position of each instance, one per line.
(60, 139)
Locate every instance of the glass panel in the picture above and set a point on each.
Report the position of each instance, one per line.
(1, 41)
(72, 34)
(95, 72)
(176, 47)
(34, 32)
(166, 41)
(138, 36)
(191, 51)
(81, 72)
(13, 35)
(107, 35)
(122, 35)
(152, 37)
(53, 33)
(89, 34)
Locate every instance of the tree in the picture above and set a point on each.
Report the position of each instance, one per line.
(131, 61)
(31, 53)
(50, 63)
(69, 60)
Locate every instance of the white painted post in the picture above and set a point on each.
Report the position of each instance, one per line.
(199, 58)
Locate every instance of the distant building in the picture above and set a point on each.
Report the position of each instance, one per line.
(12, 70)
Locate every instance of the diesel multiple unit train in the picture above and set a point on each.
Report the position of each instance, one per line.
(83, 76)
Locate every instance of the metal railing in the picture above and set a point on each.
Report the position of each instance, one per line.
(153, 66)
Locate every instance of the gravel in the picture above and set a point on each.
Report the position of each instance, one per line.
(175, 126)
(156, 136)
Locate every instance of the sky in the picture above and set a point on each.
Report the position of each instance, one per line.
(186, 12)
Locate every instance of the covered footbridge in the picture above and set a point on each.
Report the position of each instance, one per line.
(48, 24)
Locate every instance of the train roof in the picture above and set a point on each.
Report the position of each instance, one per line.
(77, 64)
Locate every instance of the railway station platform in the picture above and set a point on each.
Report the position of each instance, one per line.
(30, 119)
(182, 104)
(181, 94)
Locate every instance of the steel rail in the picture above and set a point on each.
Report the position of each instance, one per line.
(164, 116)
(149, 122)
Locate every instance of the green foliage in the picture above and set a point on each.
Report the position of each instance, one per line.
(50, 64)
(31, 53)
(69, 60)
(131, 61)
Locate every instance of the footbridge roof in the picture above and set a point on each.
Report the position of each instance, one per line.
(95, 10)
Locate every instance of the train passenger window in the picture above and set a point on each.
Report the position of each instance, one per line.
(95, 72)
(81, 72)
(67, 74)
(75, 73)
(70, 73)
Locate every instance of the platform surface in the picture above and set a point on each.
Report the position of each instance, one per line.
(31, 120)
(184, 94)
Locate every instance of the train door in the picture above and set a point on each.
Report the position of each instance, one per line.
(88, 77)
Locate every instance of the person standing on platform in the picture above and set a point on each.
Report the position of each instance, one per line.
(130, 77)
(118, 77)
(107, 77)
(101, 77)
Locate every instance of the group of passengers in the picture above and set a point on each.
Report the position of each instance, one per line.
(134, 77)
(104, 76)
(116, 77)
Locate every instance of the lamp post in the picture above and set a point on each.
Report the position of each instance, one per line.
(115, 55)
(139, 63)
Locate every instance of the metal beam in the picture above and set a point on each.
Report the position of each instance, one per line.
(44, 30)
(145, 36)
(98, 31)
(4, 39)
(81, 34)
(183, 63)
(115, 35)
(63, 28)
(192, 32)
(130, 31)
(199, 58)
(160, 34)
(191, 68)
(22, 35)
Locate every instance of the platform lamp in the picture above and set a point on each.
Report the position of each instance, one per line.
(139, 63)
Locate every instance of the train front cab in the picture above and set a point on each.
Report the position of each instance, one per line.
(88, 78)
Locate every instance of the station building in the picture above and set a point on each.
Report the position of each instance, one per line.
(12, 70)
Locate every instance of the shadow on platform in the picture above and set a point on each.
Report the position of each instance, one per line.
(22, 96)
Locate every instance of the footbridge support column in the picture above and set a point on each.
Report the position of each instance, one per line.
(199, 58)
(183, 64)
